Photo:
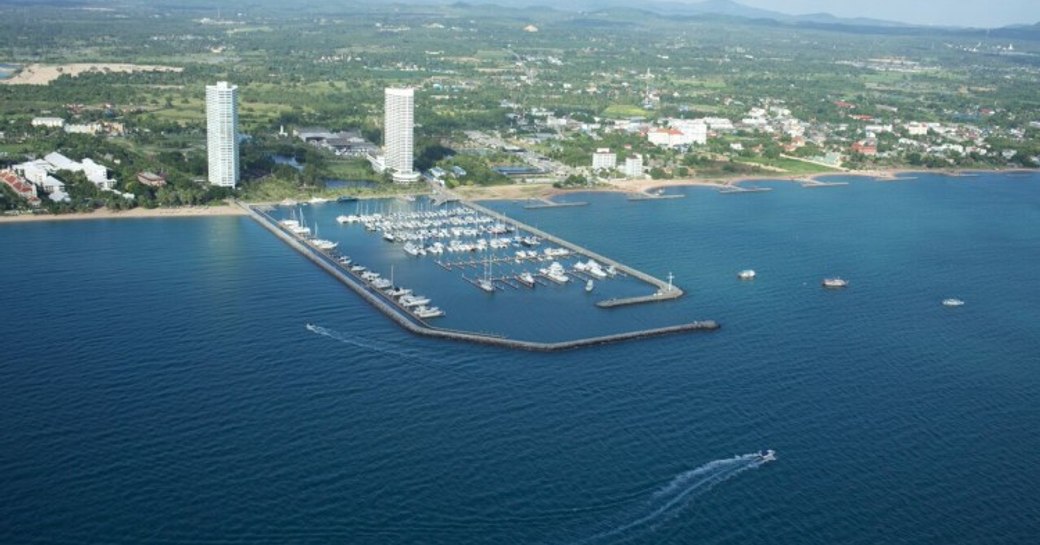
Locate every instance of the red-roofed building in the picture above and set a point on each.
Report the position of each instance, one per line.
(20, 185)
(865, 147)
(844, 105)
(862, 117)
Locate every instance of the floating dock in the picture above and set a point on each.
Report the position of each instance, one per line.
(413, 324)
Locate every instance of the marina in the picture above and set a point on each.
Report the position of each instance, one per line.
(504, 256)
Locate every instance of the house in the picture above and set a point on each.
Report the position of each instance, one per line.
(865, 147)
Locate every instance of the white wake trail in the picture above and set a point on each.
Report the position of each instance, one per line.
(676, 495)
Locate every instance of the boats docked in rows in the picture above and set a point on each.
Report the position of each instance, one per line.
(952, 302)
(746, 274)
(835, 283)
(343, 260)
(341, 219)
(382, 283)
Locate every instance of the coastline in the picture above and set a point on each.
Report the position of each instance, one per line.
(134, 213)
(646, 186)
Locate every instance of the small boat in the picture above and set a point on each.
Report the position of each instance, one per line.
(428, 312)
(486, 285)
(318, 200)
(588, 286)
(767, 455)
(746, 274)
(952, 302)
(526, 279)
(323, 244)
(413, 300)
(835, 283)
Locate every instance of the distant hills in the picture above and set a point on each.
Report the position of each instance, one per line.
(727, 8)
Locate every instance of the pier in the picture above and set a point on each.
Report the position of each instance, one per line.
(665, 290)
(417, 326)
(546, 203)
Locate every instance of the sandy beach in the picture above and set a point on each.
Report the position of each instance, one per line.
(645, 186)
(105, 214)
(42, 74)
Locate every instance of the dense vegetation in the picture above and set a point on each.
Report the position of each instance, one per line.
(315, 63)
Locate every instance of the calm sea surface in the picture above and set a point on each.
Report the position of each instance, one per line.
(158, 383)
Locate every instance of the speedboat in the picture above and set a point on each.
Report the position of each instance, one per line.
(767, 455)
(746, 274)
(952, 302)
(835, 283)
(588, 286)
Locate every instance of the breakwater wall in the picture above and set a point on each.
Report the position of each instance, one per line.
(406, 320)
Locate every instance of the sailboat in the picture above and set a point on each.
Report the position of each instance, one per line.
(485, 283)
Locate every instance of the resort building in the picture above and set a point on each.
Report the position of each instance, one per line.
(222, 133)
(20, 186)
(604, 159)
(50, 122)
(633, 166)
(398, 134)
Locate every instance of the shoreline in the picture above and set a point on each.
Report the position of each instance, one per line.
(520, 192)
(134, 213)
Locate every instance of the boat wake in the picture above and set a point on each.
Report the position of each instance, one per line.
(671, 499)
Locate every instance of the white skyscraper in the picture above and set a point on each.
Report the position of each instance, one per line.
(222, 133)
(398, 128)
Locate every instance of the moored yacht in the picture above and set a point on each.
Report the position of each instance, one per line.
(526, 279)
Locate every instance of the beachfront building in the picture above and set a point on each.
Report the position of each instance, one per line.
(222, 133)
(49, 122)
(633, 166)
(20, 186)
(398, 134)
(604, 159)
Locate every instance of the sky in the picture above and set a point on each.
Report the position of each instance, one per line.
(973, 13)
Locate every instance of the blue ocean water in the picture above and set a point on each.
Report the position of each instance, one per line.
(158, 383)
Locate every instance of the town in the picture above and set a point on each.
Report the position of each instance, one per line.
(494, 103)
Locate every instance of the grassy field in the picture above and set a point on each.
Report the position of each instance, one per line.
(621, 111)
(791, 166)
(351, 169)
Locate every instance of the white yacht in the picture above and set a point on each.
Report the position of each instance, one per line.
(526, 279)
(428, 312)
(413, 300)
(555, 273)
(323, 244)
(952, 302)
(746, 274)
(589, 285)
(834, 283)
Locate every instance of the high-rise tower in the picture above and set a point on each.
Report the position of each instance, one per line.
(222, 133)
(398, 138)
